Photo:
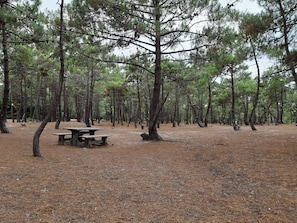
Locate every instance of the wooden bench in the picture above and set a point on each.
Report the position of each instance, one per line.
(62, 137)
(89, 140)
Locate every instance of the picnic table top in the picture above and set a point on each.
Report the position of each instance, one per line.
(83, 128)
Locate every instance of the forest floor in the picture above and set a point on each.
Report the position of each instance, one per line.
(195, 175)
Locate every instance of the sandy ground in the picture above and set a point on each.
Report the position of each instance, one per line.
(195, 175)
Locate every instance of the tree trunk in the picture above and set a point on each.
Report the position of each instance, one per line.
(36, 113)
(255, 102)
(236, 127)
(78, 107)
(176, 107)
(246, 110)
(139, 118)
(113, 105)
(58, 120)
(57, 98)
(208, 105)
(36, 138)
(66, 115)
(93, 80)
(286, 40)
(154, 106)
(87, 103)
(3, 114)
(196, 112)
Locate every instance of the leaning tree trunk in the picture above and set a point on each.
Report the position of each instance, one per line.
(56, 99)
(36, 150)
(255, 102)
(196, 113)
(3, 114)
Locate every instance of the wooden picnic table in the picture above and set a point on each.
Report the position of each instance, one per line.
(76, 132)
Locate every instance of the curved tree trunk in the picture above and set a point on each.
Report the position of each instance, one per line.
(36, 150)
(57, 97)
(197, 114)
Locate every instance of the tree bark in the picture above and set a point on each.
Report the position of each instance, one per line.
(154, 106)
(4, 108)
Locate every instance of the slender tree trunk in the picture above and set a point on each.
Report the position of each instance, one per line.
(66, 115)
(87, 103)
(36, 113)
(112, 107)
(56, 99)
(246, 110)
(58, 120)
(24, 98)
(233, 121)
(78, 106)
(139, 118)
(208, 105)
(255, 101)
(92, 94)
(3, 114)
(232, 99)
(176, 105)
(148, 98)
(31, 100)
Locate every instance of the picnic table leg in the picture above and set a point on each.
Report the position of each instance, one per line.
(61, 139)
(104, 140)
(88, 142)
(74, 138)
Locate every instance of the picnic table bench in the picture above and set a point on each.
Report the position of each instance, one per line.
(89, 140)
(62, 137)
